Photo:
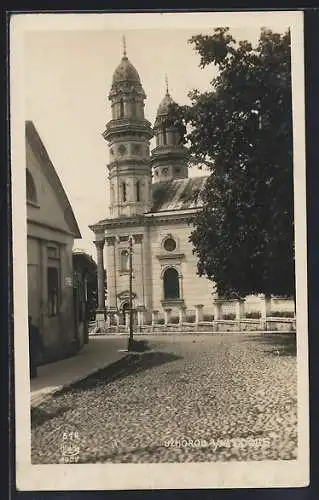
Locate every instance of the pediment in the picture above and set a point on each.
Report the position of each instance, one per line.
(125, 295)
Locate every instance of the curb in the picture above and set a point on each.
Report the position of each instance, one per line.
(183, 333)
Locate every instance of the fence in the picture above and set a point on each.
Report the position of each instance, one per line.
(231, 315)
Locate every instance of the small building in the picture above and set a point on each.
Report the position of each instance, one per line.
(85, 273)
(51, 230)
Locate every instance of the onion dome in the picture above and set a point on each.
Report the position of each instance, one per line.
(164, 106)
(167, 101)
(125, 72)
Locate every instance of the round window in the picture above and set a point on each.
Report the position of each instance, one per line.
(122, 149)
(169, 244)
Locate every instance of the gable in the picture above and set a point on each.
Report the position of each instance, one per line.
(50, 205)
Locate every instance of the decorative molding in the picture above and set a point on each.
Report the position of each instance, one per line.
(125, 295)
(173, 303)
(122, 149)
(144, 220)
(138, 238)
(174, 240)
(122, 126)
(123, 238)
(141, 308)
(124, 272)
(228, 301)
(174, 265)
(99, 244)
(171, 256)
(129, 162)
(110, 240)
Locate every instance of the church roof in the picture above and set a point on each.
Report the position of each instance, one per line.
(179, 194)
(126, 72)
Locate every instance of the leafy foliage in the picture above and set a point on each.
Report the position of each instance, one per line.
(241, 130)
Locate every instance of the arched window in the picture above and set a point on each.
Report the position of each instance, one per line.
(124, 260)
(112, 195)
(171, 284)
(134, 108)
(138, 191)
(164, 136)
(123, 191)
(31, 190)
(121, 108)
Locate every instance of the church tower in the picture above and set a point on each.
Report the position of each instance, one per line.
(128, 135)
(169, 157)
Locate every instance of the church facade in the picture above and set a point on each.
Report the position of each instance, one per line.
(151, 202)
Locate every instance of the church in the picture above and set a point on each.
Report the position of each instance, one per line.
(150, 204)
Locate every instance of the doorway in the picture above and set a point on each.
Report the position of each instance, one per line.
(125, 308)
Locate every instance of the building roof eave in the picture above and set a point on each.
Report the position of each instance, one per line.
(49, 171)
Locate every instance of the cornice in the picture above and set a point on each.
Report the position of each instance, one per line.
(126, 125)
(169, 151)
(129, 162)
(144, 220)
(168, 219)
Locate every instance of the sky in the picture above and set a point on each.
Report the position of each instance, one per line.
(67, 79)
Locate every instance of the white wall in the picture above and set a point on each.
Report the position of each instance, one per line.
(195, 289)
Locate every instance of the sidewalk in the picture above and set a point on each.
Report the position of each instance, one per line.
(97, 354)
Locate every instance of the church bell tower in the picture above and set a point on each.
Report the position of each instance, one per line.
(128, 135)
(169, 157)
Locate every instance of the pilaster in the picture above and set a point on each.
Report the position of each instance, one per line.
(111, 271)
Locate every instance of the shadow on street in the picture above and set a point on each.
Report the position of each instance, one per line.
(132, 364)
(276, 344)
(40, 416)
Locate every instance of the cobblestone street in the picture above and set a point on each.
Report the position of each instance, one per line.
(189, 398)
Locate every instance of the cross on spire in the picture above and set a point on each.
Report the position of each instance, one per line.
(124, 46)
(166, 84)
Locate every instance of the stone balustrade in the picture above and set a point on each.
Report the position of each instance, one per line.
(223, 315)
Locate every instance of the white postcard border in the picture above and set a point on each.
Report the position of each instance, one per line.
(152, 476)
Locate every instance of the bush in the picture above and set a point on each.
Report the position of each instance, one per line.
(174, 320)
(161, 321)
(231, 316)
(208, 317)
(253, 315)
(282, 314)
(190, 319)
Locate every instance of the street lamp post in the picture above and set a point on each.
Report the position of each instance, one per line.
(130, 340)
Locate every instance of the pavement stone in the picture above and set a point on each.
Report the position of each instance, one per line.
(194, 398)
(53, 377)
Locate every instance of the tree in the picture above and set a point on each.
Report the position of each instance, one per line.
(241, 130)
